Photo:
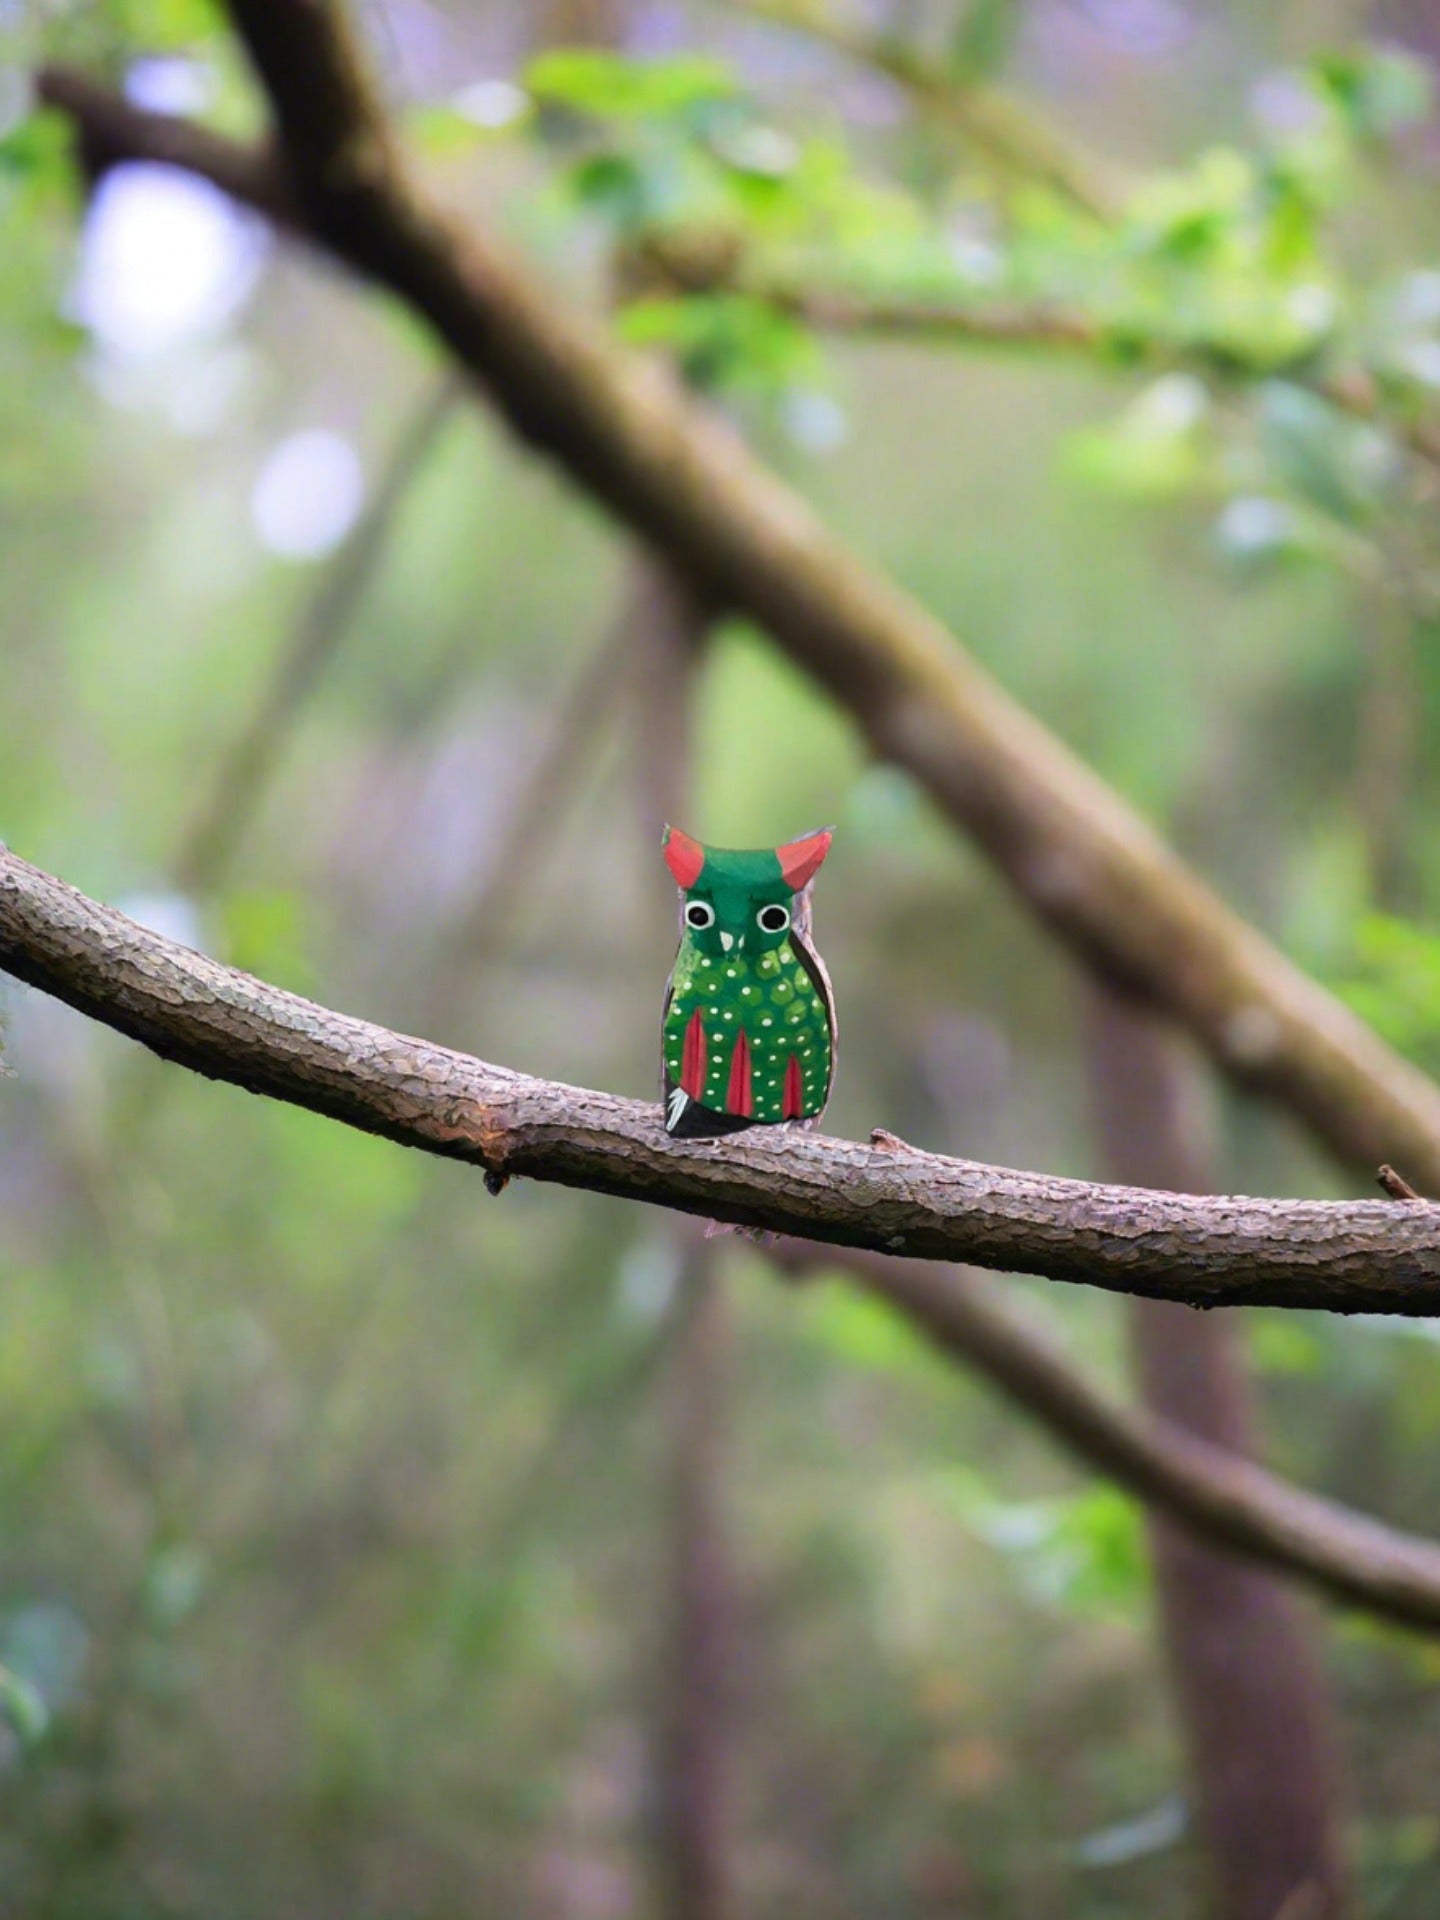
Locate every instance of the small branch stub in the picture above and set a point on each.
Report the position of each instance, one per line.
(1396, 1186)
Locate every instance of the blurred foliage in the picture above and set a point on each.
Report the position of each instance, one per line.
(333, 1505)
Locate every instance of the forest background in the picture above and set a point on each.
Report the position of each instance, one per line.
(370, 1545)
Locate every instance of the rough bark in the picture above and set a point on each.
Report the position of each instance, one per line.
(1257, 1723)
(1348, 1256)
(1089, 867)
(233, 1028)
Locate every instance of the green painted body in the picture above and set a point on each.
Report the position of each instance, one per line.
(749, 1028)
(782, 1009)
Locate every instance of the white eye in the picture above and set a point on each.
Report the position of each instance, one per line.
(773, 919)
(699, 914)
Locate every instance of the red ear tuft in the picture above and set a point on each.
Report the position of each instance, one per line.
(684, 856)
(800, 859)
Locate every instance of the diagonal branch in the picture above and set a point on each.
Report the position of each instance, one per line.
(1015, 140)
(1090, 868)
(214, 834)
(1349, 1256)
(1218, 1494)
(550, 784)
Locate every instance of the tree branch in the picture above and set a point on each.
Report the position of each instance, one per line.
(219, 825)
(1019, 327)
(1225, 1498)
(1373, 1255)
(1349, 1256)
(111, 131)
(549, 786)
(1088, 866)
(1015, 140)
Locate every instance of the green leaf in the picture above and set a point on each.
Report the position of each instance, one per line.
(263, 932)
(608, 85)
(1099, 1546)
(722, 340)
(36, 150)
(167, 26)
(1394, 981)
(985, 37)
(1156, 448)
(23, 1707)
(175, 1580)
(613, 185)
(449, 127)
(1341, 466)
(867, 1333)
(1257, 532)
(1380, 90)
(1087, 1552)
(1282, 1343)
(1186, 216)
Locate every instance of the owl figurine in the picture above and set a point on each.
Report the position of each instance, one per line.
(748, 1032)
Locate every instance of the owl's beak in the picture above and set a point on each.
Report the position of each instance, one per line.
(727, 940)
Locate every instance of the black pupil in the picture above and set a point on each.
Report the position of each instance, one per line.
(699, 916)
(772, 919)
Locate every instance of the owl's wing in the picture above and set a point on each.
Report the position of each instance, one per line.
(800, 941)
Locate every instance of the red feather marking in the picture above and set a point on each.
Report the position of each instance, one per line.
(800, 859)
(738, 1098)
(692, 1063)
(792, 1104)
(684, 856)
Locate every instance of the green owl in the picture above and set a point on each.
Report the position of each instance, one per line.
(748, 1033)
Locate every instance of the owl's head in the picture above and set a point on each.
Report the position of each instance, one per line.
(742, 902)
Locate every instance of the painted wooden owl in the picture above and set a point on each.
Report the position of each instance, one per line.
(748, 1033)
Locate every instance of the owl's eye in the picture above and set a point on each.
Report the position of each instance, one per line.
(774, 919)
(699, 914)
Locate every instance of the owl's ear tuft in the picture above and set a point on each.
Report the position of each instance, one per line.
(684, 857)
(800, 860)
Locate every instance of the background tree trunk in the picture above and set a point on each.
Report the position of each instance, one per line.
(694, 1814)
(694, 1837)
(1253, 1707)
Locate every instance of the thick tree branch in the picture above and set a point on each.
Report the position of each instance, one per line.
(1090, 868)
(1373, 1255)
(1369, 1255)
(111, 130)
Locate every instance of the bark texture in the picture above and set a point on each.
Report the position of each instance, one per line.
(1376, 1255)
(234, 1028)
(1091, 869)
(1257, 1723)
